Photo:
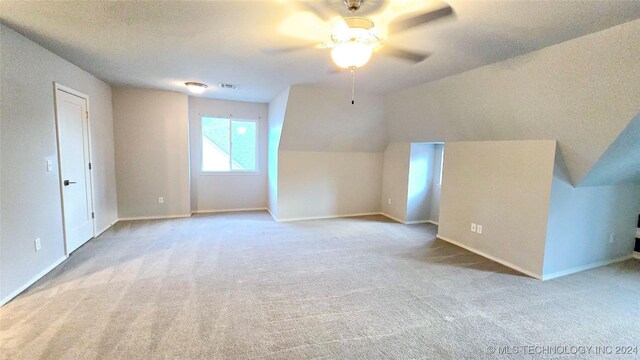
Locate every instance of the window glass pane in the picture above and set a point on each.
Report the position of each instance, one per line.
(243, 136)
(216, 144)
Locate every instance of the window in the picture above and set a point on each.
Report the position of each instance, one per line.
(229, 145)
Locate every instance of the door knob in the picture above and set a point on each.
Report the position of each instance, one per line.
(67, 182)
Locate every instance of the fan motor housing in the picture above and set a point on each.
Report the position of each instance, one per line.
(353, 5)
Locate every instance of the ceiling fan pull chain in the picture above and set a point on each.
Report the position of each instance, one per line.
(353, 84)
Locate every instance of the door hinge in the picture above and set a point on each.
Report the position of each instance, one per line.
(89, 166)
(93, 215)
(87, 115)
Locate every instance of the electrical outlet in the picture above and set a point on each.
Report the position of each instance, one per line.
(160, 200)
(479, 229)
(37, 244)
(612, 238)
(473, 227)
(389, 201)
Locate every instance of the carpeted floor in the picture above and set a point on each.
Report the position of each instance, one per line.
(241, 286)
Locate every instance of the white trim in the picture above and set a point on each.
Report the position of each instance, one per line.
(228, 210)
(231, 119)
(327, 217)
(490, 257)
(585, 267)
(32, 281)
(412, 222)
(57, 86)
(105, 229)
(270, 213)
(433, 222)
(636, 255)
(393, 218)
(177, 216)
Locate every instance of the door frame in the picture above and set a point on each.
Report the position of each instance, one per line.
(57, 86)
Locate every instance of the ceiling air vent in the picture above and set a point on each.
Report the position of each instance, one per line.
(229, 86)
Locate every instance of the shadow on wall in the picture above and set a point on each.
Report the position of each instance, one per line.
(425, 170)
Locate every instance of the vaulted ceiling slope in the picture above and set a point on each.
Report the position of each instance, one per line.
(323, 119)
(162, 44)
(582, 92)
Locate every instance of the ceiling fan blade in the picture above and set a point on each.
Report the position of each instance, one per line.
(288, 49)
(407, 55)
(317, 9)
(417, 20)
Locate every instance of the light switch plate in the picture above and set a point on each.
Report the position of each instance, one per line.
(37, 244)
(479, 229)
(160, 200)
(49, 165)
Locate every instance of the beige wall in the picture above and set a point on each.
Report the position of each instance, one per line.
(323, 119)
(152, 152)
(504, 186)
(319, 184)
(395, 180)
(30, 206)
(213, 192)
(582, 221)
(330, 154)
(582, 92)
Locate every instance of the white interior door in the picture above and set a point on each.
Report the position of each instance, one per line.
(73, 147)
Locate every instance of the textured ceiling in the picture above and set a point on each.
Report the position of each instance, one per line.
(163, 44)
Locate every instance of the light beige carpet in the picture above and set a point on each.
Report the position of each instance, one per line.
(241, 286)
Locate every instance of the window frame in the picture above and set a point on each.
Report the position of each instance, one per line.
(231, 171)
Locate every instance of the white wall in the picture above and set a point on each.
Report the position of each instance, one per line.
(152, 152)
(277, 111)
(213, 192)
(395, 180)
(434, 213)
(323, 119)
(582, 92)
(581, 221)
(421, 169)
(319, 184)
(504, 186)
(330, 154)
(31, 206)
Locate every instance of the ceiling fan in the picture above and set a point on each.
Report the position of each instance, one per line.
(353, 39)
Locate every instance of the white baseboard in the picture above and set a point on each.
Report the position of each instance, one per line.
(636, 255)
(392, 218)
(154, 217)
(327, 217)
(32, 281)
(433, 222)
(228, 210)
(585, 267)
(99, 232)
(270, 213)
(421, 222)
(491, 257)
(413, 222)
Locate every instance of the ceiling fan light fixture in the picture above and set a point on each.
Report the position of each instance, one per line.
(196, 87)
(351, 54)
